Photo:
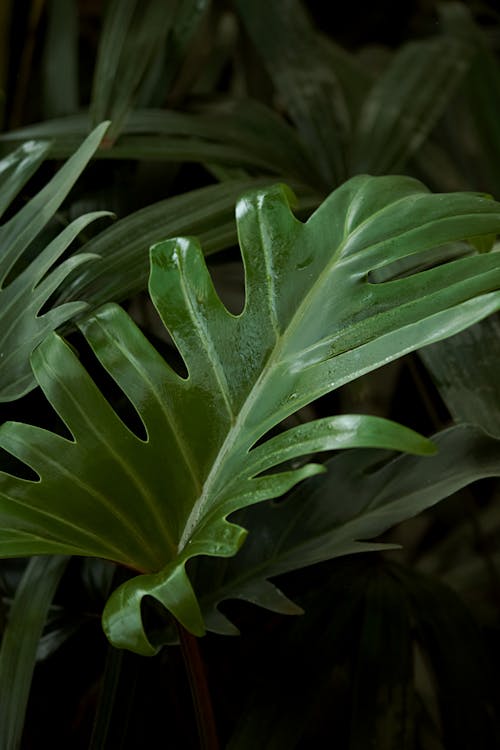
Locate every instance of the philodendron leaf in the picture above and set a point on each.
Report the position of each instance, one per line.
(21, 298)
(312, 321)
(338, 513)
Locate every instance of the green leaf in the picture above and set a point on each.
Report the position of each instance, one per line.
(22, 297)
(17, 168)
(116, 699)
(481, 96)
(312, 321)
(301, 68)
(20, 642)
(335, 514)
(355, 78)
(405, 103)
(134, 37)
(241, 133)
(290, 705)
(370, 630)
(465, 370)
(122, 267)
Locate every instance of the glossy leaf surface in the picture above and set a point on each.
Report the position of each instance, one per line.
(312, 321)
(121, 269)
(23, 294)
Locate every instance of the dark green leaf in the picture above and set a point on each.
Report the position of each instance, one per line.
(337, 513)
(465, 369)
(302, 71)
(293, 694)
(405, 103)
(312, 322)
(454, 648)
(20, 642)
(481, 93)
(60, 63)
(241, 134)
(383, 695)
(134, 36)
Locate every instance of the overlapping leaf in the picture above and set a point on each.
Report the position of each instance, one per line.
(348, 123)
(242, 133)
(22, 297)
(312, 321)
(122, 267)
(337, 513)
(140, 43)
(405, 103)
(300, 67)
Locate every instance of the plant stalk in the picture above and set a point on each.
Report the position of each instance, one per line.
(200, 693)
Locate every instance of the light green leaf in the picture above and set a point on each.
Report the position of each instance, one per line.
(20, 642)
(21, 298)
(17, 168)
(312, 321)
(21, 229)
(359, 497)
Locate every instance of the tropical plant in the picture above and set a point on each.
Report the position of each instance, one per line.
(228, 437)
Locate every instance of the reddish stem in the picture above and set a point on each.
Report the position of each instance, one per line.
(200, 693)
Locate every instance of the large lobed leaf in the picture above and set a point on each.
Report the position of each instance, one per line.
(357, 499)
(24, 292)
(121, 270)
(312, 321)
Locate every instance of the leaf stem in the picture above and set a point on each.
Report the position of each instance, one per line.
(200, 693)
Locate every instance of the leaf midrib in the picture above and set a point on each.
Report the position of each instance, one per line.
(235, 431)
(204, 500)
